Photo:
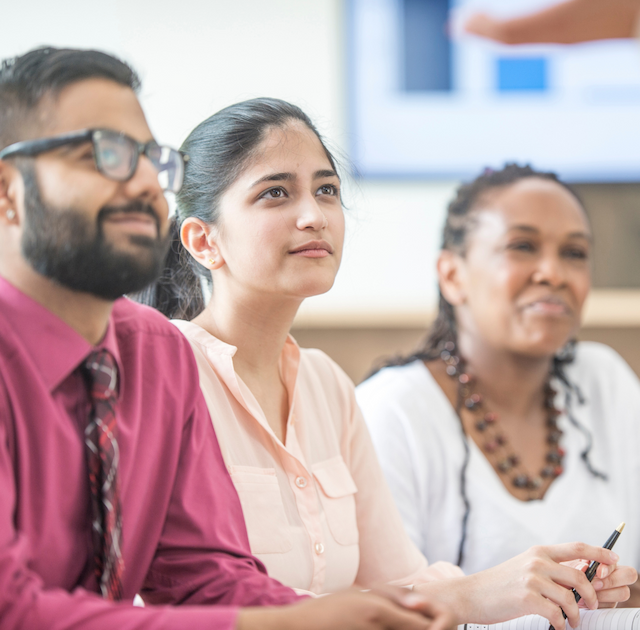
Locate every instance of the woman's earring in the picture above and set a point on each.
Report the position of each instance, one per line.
(212, 261)
(11, 214)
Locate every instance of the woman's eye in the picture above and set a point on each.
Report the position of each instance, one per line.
(274, 193)
(522, 246)
(576, 253)
(328, 189)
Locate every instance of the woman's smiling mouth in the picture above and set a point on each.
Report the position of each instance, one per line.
(551, 305)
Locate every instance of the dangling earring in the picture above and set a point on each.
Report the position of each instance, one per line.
(11, 214)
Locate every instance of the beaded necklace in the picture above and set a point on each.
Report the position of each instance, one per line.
(492, 441)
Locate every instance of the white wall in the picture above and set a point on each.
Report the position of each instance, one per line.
(197, 56)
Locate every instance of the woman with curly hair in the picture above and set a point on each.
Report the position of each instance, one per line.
(501, 432)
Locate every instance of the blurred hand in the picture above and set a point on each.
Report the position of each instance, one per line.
(484, 25)
(383, 609)
(564, 23)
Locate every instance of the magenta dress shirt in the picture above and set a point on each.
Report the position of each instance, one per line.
(184, 538)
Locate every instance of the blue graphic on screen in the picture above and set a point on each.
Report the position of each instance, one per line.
(522, 74)
(423, 104)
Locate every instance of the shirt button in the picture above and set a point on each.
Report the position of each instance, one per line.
(301, 482)
(319, 547)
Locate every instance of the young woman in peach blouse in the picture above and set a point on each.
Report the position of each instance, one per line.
(260, 217)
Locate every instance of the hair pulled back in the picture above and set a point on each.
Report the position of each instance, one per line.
(218, 149)
(459, 225)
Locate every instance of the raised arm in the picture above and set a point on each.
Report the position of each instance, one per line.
(565, 23)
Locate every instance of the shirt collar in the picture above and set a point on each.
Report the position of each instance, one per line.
(218, 350)
(55, 348)
(220, 356)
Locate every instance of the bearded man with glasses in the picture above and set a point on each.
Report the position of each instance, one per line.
(111, 479)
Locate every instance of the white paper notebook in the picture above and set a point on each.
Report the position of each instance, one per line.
(605, 619)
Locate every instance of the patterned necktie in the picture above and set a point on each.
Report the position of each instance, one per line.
(103, 457)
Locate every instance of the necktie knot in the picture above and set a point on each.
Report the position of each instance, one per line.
(102, 370)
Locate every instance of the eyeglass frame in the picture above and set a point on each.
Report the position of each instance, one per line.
(31, 148)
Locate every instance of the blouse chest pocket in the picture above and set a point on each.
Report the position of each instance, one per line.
(337, 493)
(264, 515)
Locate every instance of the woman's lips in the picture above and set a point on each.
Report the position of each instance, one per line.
(549, 307)
(313, 249)
(312, 253)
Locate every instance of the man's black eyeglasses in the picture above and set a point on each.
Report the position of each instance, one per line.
(116, 154)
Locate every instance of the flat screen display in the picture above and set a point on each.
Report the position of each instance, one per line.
(428, 105)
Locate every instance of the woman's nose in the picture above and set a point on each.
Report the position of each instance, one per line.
(550, 270)
(310, 215)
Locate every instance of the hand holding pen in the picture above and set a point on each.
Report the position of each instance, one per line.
(539, 582)
(593, 566)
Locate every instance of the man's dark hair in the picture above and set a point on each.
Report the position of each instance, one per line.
(26, 79)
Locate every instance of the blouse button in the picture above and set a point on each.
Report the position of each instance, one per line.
(301, 482)
(319, 547)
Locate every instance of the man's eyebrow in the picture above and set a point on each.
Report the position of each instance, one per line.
(274, 177)
(74, 146)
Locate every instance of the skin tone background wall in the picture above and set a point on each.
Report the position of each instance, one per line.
(198, 56)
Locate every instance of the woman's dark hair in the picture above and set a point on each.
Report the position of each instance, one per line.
(219, 149)
(459, 224)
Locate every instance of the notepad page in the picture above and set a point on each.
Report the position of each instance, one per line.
(605, 619)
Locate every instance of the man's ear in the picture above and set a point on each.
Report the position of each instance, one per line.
(451, 277)
(11, 194)
(200, 239)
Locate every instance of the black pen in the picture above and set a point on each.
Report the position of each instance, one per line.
(593, 567)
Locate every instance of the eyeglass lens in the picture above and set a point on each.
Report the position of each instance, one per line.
(117, 157)
(169, 164)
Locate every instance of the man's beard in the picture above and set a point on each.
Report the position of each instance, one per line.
(67, 247)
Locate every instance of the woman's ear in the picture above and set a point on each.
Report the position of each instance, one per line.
(199, 239)
(451, 274)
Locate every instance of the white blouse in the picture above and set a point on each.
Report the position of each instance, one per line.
(418, 439)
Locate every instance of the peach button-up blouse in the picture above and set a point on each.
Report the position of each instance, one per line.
(317, 508)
